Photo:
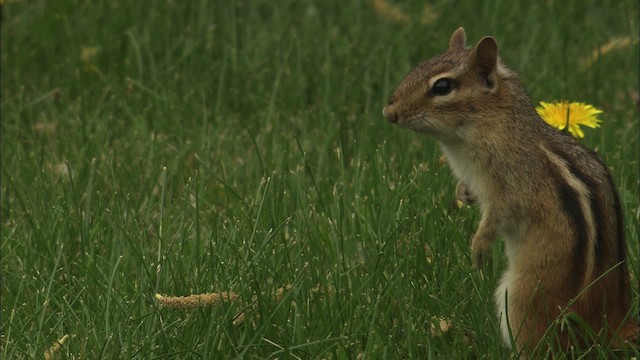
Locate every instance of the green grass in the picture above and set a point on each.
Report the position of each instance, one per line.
(239, 145)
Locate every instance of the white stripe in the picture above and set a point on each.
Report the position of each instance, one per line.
(583, 197)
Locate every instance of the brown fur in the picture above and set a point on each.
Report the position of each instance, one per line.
(550, 199)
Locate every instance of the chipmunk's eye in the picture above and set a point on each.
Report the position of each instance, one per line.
(442, 87)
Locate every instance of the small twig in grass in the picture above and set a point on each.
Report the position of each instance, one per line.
(195, 300)
(55, 348)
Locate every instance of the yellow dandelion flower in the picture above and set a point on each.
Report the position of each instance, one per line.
(563, 114)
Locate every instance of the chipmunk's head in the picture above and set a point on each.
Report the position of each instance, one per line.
(444, 96)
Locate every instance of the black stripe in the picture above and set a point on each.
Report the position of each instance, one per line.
(570, 201)
(596, 202)
(600, 213)
(603, 247)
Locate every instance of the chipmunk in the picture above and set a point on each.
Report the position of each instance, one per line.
(551, 200)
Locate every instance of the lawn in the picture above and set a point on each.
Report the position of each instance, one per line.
(191, 147)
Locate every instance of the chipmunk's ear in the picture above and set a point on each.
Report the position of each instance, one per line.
(485, 59)
(458, 40)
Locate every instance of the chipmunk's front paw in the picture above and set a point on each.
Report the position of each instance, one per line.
(480, 254)
(464, 196)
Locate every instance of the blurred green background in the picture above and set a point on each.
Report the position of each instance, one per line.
(205, 146)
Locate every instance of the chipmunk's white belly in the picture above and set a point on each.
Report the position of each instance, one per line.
(467, 171)
(506, 288)
(501, 296)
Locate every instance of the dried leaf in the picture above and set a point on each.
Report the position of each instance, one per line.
(391, 12)
(440, 326)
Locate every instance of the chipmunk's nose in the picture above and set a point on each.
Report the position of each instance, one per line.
(389, 112)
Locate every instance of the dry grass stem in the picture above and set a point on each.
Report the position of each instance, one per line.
(617, 43)
(195, 300)
(55, 348)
